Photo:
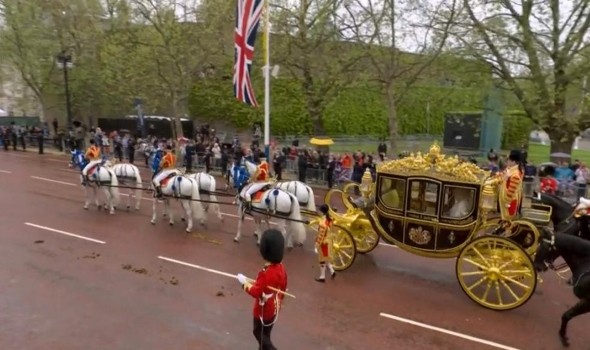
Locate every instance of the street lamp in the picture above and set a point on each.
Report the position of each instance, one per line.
(64, 62)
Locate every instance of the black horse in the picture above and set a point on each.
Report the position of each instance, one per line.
(576, 253)
(562, 216)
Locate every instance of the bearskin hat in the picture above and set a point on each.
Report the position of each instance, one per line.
(272, 246)
(515, 156)
(549, 170)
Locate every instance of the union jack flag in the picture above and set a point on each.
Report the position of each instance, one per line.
(248, 14)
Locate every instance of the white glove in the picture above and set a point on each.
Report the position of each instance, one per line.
(242, 279)
(315, 250)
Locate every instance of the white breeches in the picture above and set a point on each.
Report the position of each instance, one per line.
(253, 188)
(90, 165)
(162, 175)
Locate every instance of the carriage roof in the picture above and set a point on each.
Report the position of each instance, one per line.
(436, 165)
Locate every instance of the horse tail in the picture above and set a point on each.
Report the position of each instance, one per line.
(311, 198)
(138, 184)
(295, 223)
(114, 190)
(196, 205)
(212, 188)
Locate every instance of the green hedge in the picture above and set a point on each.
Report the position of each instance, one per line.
(358, 110)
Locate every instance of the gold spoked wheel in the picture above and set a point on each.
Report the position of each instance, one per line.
(343, 248)
(365, 237)
(496, 273)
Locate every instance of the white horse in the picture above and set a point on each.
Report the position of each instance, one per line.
(128, 175)
(301, 191)
(104, 178)
(208, 185)
(185, 189)
(284, 208)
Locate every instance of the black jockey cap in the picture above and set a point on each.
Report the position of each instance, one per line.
(168, 147)
(515, 156)
(92, 142)
(324, 209)
(272, 246)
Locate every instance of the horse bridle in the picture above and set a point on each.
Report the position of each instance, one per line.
(558, 269)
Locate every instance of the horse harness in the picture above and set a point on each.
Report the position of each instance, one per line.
(562, 267)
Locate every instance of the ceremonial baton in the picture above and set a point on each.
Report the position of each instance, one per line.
(222, 274)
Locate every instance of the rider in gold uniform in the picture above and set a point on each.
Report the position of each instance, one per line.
(168, 162)
(259, 179)
(93, 156)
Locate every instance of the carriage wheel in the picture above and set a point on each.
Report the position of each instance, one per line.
(343, 248)
(496, 273)
(365, 238)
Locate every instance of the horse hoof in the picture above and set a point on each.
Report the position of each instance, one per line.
(236, 240)
(153, 222)
(564, 339)
(182, 219)
(188, 231)
(137, 208)
(128, 207)
(112, 213)
(85, 207)
(171, 223)
(289, 249)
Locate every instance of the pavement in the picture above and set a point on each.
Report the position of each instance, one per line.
(84, 279)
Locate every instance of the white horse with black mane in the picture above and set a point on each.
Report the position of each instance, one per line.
(173, 184)
(128, 176)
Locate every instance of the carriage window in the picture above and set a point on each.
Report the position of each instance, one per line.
(393, 192)
(424, 197)
(458, 202)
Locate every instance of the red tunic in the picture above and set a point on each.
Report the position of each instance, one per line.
(322, 241)
(512, 190)
(548, 185)
(268, 302)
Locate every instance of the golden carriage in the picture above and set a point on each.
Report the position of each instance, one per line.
(440, 207)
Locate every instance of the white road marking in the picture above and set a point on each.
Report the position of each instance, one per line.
(54, 181)
(442, 330)
(65, 233)
(198, 267)
(5, 172)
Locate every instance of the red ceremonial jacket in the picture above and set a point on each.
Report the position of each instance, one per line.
(548, 185)
(262, 172)
(268, 302)
(512, 190)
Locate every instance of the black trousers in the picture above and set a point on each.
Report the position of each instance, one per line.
(262, 334)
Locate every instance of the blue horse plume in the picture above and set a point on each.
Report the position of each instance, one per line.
(240, 176)
(78, 159)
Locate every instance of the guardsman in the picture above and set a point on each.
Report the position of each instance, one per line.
(510, 193)
(267, 302)
(260, 179)
(168, 162)
(93, 156)
(323, 244)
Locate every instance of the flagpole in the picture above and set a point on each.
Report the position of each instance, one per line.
(266, 39)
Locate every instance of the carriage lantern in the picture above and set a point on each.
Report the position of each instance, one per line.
(366, 184)
(489, 196)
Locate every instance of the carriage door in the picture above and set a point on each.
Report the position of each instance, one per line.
(422, 213)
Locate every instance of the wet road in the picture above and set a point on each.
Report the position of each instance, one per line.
(63, 291)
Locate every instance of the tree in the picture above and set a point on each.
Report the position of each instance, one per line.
(385, 29)
(176, 50)
(308, 46)
(28, 45)
(538, 50)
